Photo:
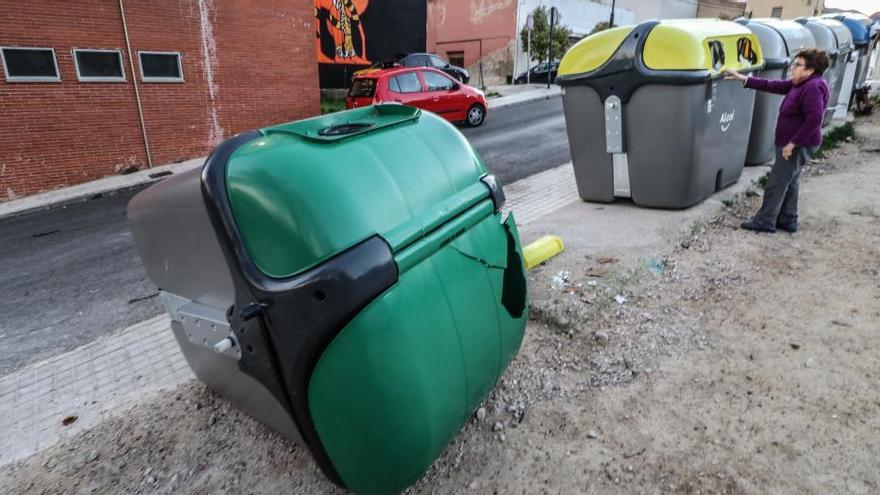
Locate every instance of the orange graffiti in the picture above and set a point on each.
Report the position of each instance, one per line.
(340, 19)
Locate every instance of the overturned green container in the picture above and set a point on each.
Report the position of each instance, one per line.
(348, 280)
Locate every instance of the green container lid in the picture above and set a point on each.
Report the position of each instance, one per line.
(308, 190)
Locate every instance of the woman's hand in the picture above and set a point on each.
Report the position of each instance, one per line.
(733, 75)
(787, 150)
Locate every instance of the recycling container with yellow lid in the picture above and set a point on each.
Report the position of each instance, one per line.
(649, 115)
(348, 280)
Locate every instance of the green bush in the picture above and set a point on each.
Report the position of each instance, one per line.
(834, 137)
(330, 104)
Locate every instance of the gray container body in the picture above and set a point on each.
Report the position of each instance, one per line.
(835, 38)
(780, 42)
(179, 249)
(681, 143)
(847, 65)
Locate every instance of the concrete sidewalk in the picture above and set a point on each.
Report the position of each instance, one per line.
(82, 192)
(529, 93)
(106, 377)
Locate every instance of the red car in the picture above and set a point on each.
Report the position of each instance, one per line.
(422, 87)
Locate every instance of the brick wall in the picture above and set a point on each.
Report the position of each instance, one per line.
(258, 55)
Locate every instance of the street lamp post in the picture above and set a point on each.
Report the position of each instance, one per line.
(529, 24)
(611, 21)
(550, 46)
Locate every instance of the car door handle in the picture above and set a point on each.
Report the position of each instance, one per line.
(436, 98)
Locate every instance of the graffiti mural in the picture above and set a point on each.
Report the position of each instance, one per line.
(353, 34)
(339, 32)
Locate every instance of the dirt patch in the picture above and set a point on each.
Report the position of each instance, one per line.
(735, 363)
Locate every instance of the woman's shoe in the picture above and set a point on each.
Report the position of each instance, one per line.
(756, 227)
(791, 228)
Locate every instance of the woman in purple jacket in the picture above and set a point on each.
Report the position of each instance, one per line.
(798, 136)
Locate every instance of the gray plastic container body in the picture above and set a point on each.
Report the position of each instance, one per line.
(780, 42)
(682, 142)
(825, 40)
(835, 38)
(847, 64)
(179, 249)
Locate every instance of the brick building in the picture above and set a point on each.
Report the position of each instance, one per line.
(88, 87)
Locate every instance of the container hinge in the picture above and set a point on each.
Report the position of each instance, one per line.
(203, 325)
(614, 145)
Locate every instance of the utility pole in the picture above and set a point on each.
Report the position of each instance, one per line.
(550, 47)
(611, 21)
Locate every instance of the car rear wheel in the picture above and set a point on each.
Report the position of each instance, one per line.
(475, 115)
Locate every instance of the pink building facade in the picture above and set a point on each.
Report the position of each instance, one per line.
(476, 34)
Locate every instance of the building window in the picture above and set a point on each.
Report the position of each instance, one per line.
(160, 67)
(456, 58)
(777, 12)
(22, 64)
(98, 65)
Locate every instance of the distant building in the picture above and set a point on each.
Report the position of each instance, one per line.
(784, 9)
(721, 9)
(483, 35)
(100, 87)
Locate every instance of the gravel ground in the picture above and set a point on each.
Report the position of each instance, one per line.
(736, 363)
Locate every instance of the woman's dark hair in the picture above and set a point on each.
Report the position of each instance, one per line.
(814, 59)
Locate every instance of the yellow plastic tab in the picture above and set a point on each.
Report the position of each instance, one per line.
(542, 250)
(591, 52)
(687, 45)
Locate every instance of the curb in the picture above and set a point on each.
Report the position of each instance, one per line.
(92, 190)
(523, 98)
(113, 184)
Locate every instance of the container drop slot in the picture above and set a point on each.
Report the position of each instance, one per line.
(345, 129)
(716, 49)
(745, 51)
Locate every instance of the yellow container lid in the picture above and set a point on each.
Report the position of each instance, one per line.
(709, 45)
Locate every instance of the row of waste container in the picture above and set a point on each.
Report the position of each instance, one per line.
(650, 117)
(350, 280)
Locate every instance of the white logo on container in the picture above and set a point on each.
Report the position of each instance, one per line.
(726, 120)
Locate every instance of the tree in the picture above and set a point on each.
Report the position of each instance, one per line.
(541, 26)
(601, 26)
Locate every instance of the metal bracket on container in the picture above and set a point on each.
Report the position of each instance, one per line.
(614, 145)
(203, 325)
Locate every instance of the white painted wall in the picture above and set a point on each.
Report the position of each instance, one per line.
(645, 10)
(582, 15)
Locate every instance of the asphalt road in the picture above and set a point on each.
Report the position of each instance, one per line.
(522, 140)
(69, 275)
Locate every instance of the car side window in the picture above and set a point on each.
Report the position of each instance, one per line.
(415, 61)
(437, 82)
(406, 83)
(438, 62)
(393, 85)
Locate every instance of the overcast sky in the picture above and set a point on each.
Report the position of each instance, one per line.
(867, 7)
